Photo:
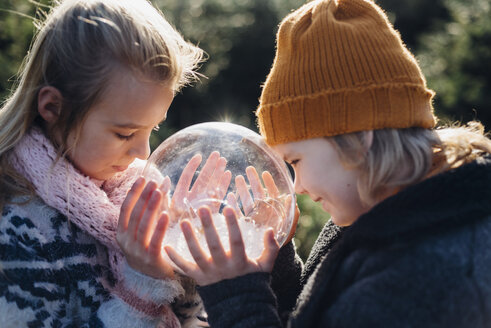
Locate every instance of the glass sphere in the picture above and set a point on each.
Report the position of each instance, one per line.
(219, 164)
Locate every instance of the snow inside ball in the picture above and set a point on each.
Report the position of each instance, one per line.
(219, 164)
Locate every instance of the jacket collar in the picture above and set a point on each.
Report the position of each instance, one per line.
(457, 197)
(453, 198)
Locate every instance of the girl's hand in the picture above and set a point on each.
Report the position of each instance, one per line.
(220, 265)
(209, 188)
(141, 230)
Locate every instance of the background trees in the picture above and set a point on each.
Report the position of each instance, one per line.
(456, 59)
(451, 38)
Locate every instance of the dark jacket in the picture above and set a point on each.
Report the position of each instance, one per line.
(421, 258)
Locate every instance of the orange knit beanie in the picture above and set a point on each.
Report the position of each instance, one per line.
(340, 67)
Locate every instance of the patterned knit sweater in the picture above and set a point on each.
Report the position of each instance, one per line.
(52, 274)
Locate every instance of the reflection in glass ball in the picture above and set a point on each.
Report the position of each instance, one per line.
(220, 164)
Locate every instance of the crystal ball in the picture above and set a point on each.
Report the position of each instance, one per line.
(218, 164)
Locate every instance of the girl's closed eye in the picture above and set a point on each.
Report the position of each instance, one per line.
(124, 137)
(128, 136)
(293, 162)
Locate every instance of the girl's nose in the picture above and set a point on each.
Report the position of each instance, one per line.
(141, 149)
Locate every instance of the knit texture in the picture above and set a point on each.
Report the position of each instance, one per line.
(340, 67)
(94, 210)
(53, 274)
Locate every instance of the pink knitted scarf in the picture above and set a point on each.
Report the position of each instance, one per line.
(90, 204)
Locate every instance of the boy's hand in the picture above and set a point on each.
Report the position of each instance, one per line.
(265, 205)
(141, 230)
(209, 188)
(220, 264)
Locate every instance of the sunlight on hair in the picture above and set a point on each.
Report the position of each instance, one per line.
(399, 158)
(77, 48)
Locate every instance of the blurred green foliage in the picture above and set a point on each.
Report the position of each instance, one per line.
(456, 60)
(15, 35)
(312, 219)
(239, 39)
(451, 38)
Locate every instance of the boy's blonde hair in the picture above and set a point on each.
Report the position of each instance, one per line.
(399, 158)
(341, 69)
(76, 49)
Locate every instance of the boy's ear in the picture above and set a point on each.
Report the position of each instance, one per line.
(49, 103)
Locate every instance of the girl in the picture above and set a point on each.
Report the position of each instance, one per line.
(408, 243)
(99, 77)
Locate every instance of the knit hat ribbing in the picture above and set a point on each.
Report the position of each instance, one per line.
(340, 67)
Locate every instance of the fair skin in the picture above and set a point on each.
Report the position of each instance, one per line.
(318, 173)
(142, 226)
(142, 223)
(115, 132)
(117, 128)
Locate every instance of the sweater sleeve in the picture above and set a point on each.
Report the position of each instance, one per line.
(180, 293)
(159, 291)
(54, 275)
(47, 280)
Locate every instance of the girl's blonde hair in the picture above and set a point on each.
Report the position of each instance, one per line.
(399, 158)
(76, 49)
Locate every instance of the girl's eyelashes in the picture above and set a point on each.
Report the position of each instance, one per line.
(293, 162)
(129, 136)
(124, 137)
